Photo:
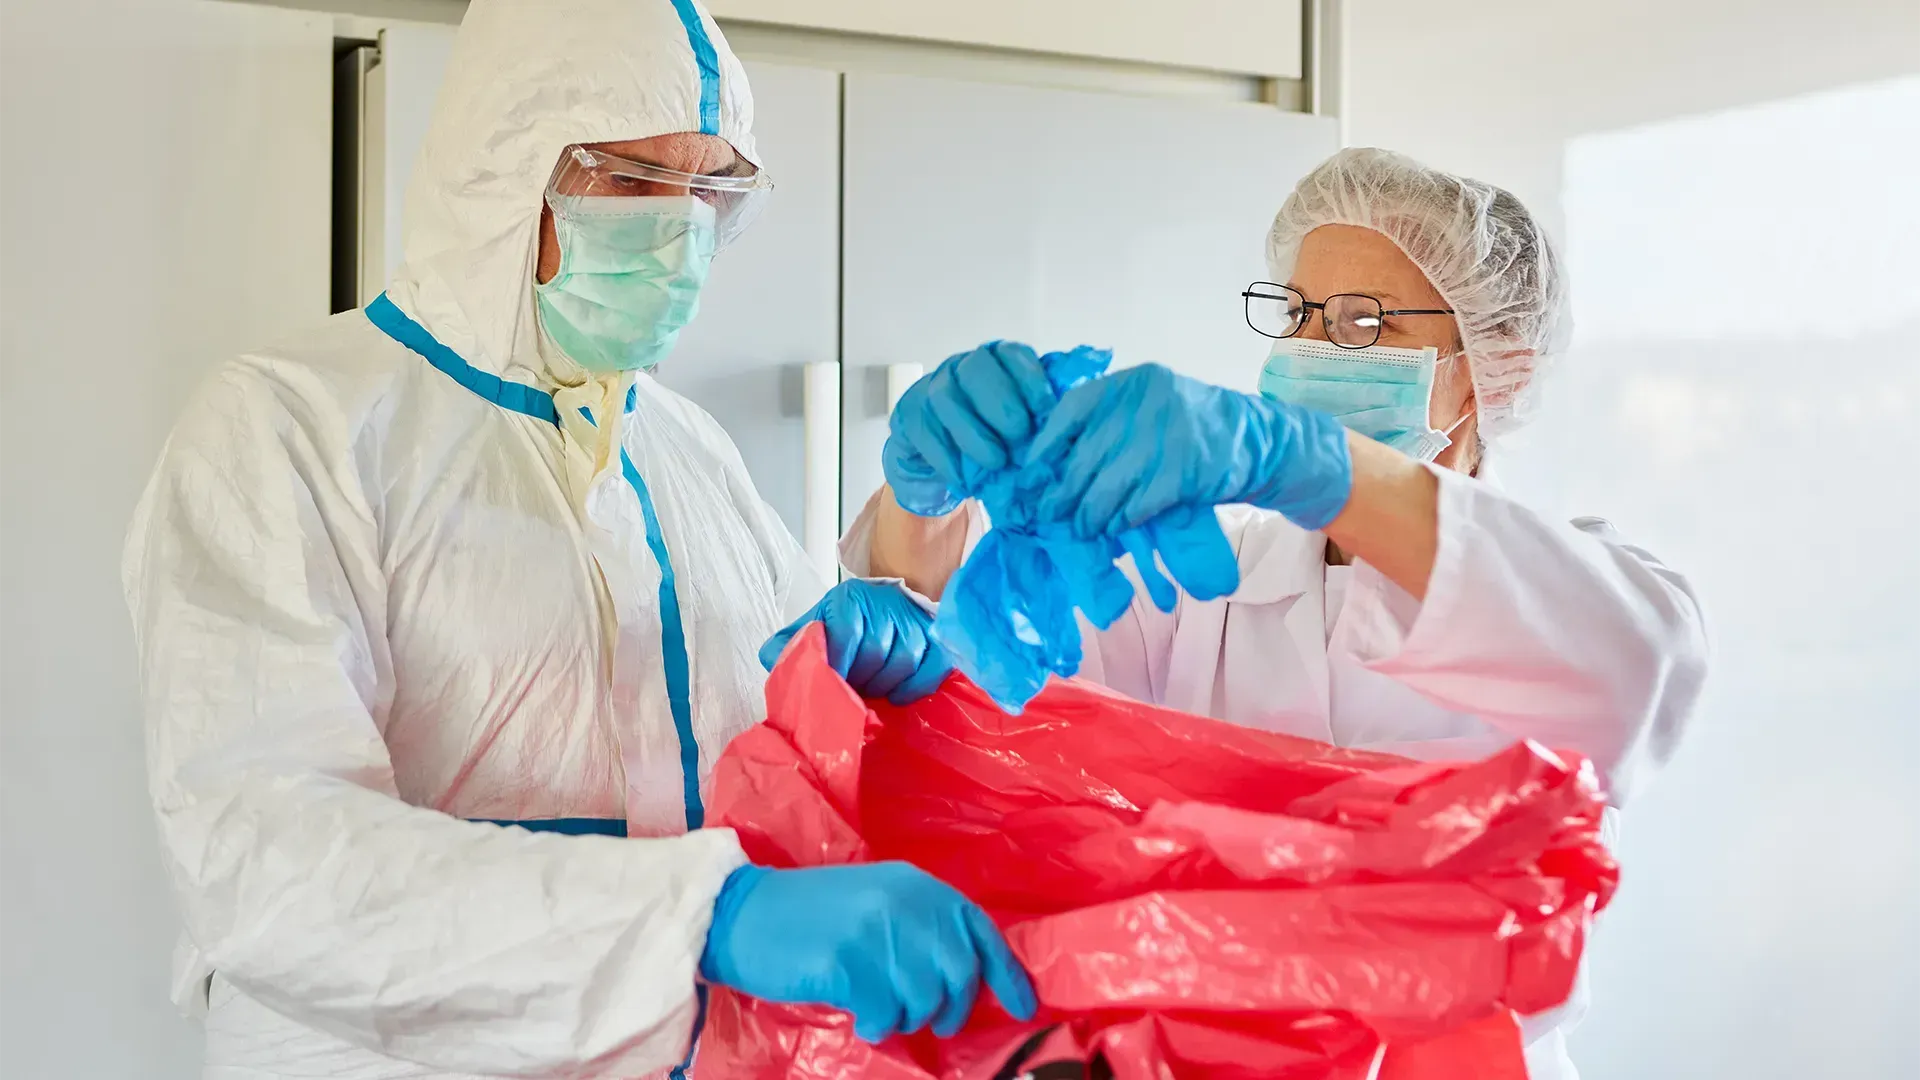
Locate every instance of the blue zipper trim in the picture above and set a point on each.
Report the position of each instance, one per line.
(525, 399)
(673, 651)
(566, 826)
(708, 62)
(518, 397)
(699, 1025)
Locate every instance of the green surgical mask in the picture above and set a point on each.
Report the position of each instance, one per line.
(631, 269)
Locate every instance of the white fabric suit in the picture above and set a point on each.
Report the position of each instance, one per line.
(377, 591)
(1534, 629)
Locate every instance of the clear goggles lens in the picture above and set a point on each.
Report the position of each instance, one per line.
(587, 174)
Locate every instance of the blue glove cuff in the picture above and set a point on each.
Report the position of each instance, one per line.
(714, 964)
(1311, 467)
(916, 487)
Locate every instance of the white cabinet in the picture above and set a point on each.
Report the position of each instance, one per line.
(978, 211)
(383, 100)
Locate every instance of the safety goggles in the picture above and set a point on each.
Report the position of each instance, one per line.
(588, 174)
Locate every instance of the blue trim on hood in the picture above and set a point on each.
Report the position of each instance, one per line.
(519, 397)
(708, 61)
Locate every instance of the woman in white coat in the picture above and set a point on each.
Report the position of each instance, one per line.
(1397, 600)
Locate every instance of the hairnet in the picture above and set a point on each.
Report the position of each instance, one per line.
(1476, 243)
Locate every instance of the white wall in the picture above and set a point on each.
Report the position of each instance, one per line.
(136, 140)
(1735, 183)
(1497, 86)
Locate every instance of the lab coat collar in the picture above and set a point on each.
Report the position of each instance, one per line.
(1277, 558)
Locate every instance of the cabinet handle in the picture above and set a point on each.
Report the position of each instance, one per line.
(899, 377)
(820, 505)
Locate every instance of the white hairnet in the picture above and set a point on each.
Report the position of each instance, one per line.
(1475, 242)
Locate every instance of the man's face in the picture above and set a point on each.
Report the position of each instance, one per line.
(686, 151)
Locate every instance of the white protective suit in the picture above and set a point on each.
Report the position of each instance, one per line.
(378, 590)
(1530, 629)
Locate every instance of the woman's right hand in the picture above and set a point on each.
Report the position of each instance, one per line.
(887, 942)
(971, 415)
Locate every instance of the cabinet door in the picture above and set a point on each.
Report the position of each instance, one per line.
(978, 211)
(383, 100)
(763, 355)
(413, 60)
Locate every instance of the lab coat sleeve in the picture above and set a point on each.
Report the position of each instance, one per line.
(255, 581)
(1560, 633)
(856, 544)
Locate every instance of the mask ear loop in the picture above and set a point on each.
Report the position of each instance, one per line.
(1438, 441)
(1472, 398)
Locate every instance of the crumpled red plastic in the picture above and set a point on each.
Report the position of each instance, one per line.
(1193, 899)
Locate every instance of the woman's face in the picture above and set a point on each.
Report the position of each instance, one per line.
(1350, 259)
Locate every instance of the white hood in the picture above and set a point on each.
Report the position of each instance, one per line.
(527, 79)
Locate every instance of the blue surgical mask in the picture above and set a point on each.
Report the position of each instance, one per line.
(631, 270)
(1379, 392)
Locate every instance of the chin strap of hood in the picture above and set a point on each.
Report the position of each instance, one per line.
(593, 415)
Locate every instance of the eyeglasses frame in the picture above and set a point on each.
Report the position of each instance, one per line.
(1306, 305)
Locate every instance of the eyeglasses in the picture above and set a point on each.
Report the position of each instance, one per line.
(1352, 320)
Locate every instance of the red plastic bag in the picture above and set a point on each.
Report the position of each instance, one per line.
(1192, 898)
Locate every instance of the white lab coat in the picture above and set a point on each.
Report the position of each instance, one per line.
(1561, 633)
(376, 592)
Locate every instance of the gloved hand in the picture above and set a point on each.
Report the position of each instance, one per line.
(886, 942)
(1119, 450)
(970, 415)
(878, 639)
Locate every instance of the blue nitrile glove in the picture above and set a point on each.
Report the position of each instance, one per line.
(1120, 450)
(887, 942)
(1007, 617)
(972, 414)
(878, 639)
